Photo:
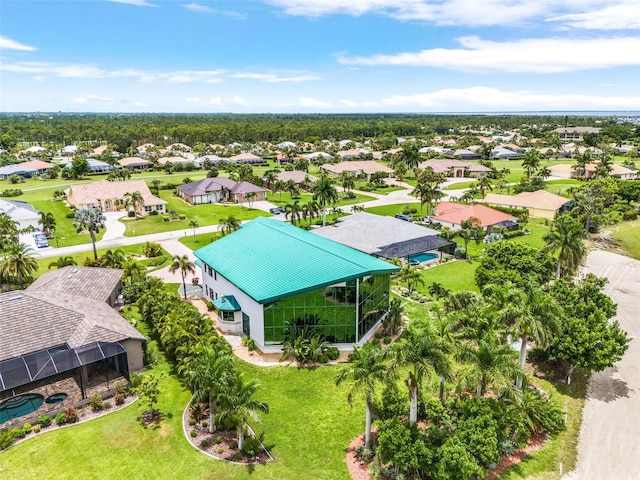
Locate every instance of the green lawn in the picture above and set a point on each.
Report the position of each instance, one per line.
(43, 264)
(199, 240)
(391, 210)
(307, 430)
(626, 235)
(455, 276)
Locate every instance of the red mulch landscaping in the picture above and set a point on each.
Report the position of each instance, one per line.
(359, 470)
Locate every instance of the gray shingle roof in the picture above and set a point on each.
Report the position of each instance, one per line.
(89, 282)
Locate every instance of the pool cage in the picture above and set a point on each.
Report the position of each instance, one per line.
(39, 365)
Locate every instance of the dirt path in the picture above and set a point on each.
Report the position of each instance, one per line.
(609, 444)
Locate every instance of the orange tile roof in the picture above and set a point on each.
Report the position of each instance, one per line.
(456, 213)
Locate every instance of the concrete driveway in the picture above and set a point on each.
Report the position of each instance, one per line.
(609, 444)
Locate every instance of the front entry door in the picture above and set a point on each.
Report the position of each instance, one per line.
(246, 325)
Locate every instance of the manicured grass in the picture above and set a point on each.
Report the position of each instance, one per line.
(380, 191)
(199, 240)
(626, 235)
(43, 264)
(459, 186)
(307, 430)
(391, 210)
(454, 275)
(209, 214)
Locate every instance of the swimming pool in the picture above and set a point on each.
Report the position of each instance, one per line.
(19, 406)
(424, 257)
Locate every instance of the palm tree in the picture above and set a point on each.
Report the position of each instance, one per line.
(437, 290)
(427, 193)
(270, 179)
(531, 161)
(90, 219)
(194, 224)
(325, 193)
(410, 155)
(418, 353)
(182, 263)
(410, 276)
(393, 320)
(347, 180)
(251, 196)
(208, 375)
(365, 370)
(279, 186)
(293, 211)
(114, 258)
(155, 184)
(48, 222)
(224, 194)
(310, 209)
(483, 184)
(135, 200)
(18, 263)
(62, 262)
(566, 235)
(529, 313)
(239, 405)
(443, 326)
(229, 224)
(488, 365)
(133, 270)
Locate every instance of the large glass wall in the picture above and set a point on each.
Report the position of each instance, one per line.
(330, 311)
(374, 301)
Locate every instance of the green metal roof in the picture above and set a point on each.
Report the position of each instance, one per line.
(270, 259)
(228, 303)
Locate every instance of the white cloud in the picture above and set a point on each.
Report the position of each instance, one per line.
(534, 55)
(271, 78)
(136, 3)
(492, 99)
(238, 101)
(196, 7)
(216, 101)
(8, 44)
(95, 99)
(312, 102)
(349, 103)
(625, 15)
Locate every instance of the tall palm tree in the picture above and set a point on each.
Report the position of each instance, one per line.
(324, 193)
(310, 209)
(238, 404)
(410, 276)
(279, 186)
(18, 263)
(347, 180)
(194, 224)
(133, 270)
(114, 258)
(365, 370)
(427, 193)
(229, 224)
(483, 184)
(531, 161)
(182, 263)
(48, 222)
(208, 375)
(529, 313)
(251, 196)
(90, 219)
(419, 353)
(135, 200)
(566, 235)
(270, 179)
(443, 326)
(62, 262)
(293, 211)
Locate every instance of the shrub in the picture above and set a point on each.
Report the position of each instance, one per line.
(233, 444)
(120, 389)
(44, 420)
(194, 433)
(630, 215)
(152, 249)
(218, 440)
(151, 353)
(387, 340)
(134, 381)
(61, 418)
(460, 252)
(238, 456)
(251, 446)
(70, 215)
(192, 422)
(364, 454)
(19, 433)
(514, 234)
(205, 424)
(333, 353)
(72, 414)
(204, 443)
(118, 398)
(154, 212)
(196, 411)
(131, 214)
(27, 428)
(210, 306)
(36, 428)
(220, 451)
(249, 343)
(7, 437)
(11, 192)
(96, 403)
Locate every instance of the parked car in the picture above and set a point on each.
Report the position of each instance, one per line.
(41, 241)
(276, 210)
(404, 217)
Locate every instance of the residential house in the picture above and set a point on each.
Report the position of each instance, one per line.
(453, 214)
(270, 275)
(575, 133)
(565, 170)
(464, 154)
(248, 158)
(219, 189)
(135, 163)
(17, 169)
(318, 157)
(357, 167)
(38, 165)
(296, 176)
(20, 212)
(110, 196)
(540, 204)
(455, 168)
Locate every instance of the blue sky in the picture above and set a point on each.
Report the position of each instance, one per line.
(316, 56)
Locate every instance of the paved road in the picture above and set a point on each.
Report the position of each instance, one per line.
(609, 445)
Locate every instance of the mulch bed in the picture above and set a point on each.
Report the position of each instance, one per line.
(359, 470)
(221, 444)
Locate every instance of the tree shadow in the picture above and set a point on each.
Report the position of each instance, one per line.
(617, 389)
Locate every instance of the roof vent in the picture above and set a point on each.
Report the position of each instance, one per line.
(15, 297)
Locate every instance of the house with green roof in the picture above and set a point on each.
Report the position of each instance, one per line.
(270, 276)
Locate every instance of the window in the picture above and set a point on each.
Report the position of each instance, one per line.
(228, 316)
(159, 207)
(147, 208)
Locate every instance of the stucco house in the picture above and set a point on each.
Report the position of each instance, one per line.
(357, 167)
(110, 196)
(453, 214)
(62, 342)
(219, 189)
(269, 276)
(20, 212)
(455, 168)
(135, 163)
(540, 204)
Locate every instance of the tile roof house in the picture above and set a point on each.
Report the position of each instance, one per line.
(109, 196)
(182, 160)
(453, 214)
(38, 165)
(575, 133)
(455, 168)
(54, 336)
(319, 156)
(17, 169)
(352, 153)
(566, 170)
(135, 163)
(463, 153)
(296, 176)
(219, 189)
(357, 167)
(20, 212)
(249, 158)
(270, 274)
(541, 204)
